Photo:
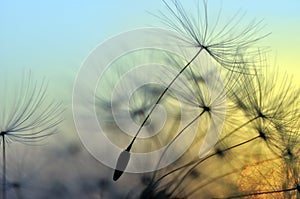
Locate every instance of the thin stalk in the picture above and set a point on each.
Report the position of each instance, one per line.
(3, 167)
(261, 193)
(202, 160)
(209, 182)
(196, 162)
(161, 96)
(238, 128)
(169, 144)
(124, 156)
(198, 188)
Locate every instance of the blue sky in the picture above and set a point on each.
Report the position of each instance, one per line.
(54, 35)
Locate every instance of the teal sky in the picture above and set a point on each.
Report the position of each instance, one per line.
(55, 37)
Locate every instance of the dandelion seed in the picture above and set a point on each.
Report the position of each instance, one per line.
(277, 138)
(197, 96)
(224, 43)
(268, 97)
(211, 45)
(121, 164)
(28, 118)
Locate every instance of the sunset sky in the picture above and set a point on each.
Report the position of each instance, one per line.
(52, 39)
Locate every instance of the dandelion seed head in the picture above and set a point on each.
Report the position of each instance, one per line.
(262, 135)
(220, 152)
(30, 117)
(228, 44)
(288, 153)
(266, 96)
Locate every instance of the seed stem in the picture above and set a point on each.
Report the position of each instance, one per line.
(196, 162)
(173, 140)
(3, 167)
(260, 193)
(161, 96)
(156, 103)
(239, 127)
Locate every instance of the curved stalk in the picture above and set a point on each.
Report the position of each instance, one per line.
(117, 172)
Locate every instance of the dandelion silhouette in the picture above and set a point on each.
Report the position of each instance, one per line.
(277, 177)
(28, 118)
(270, 104)
(264, 126)
(223, 44)
(208, 104)
(261, 129)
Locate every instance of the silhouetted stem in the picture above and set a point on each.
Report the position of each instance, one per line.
(198, 188)
(209, 182)
(196, 162)
(161, 96)
(261, 193)
(3, 168)
(117, 172)
(238, 128)
(169, 144)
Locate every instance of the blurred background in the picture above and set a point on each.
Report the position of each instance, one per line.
(53, 38)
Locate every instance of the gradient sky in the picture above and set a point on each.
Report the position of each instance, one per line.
(54, 37)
